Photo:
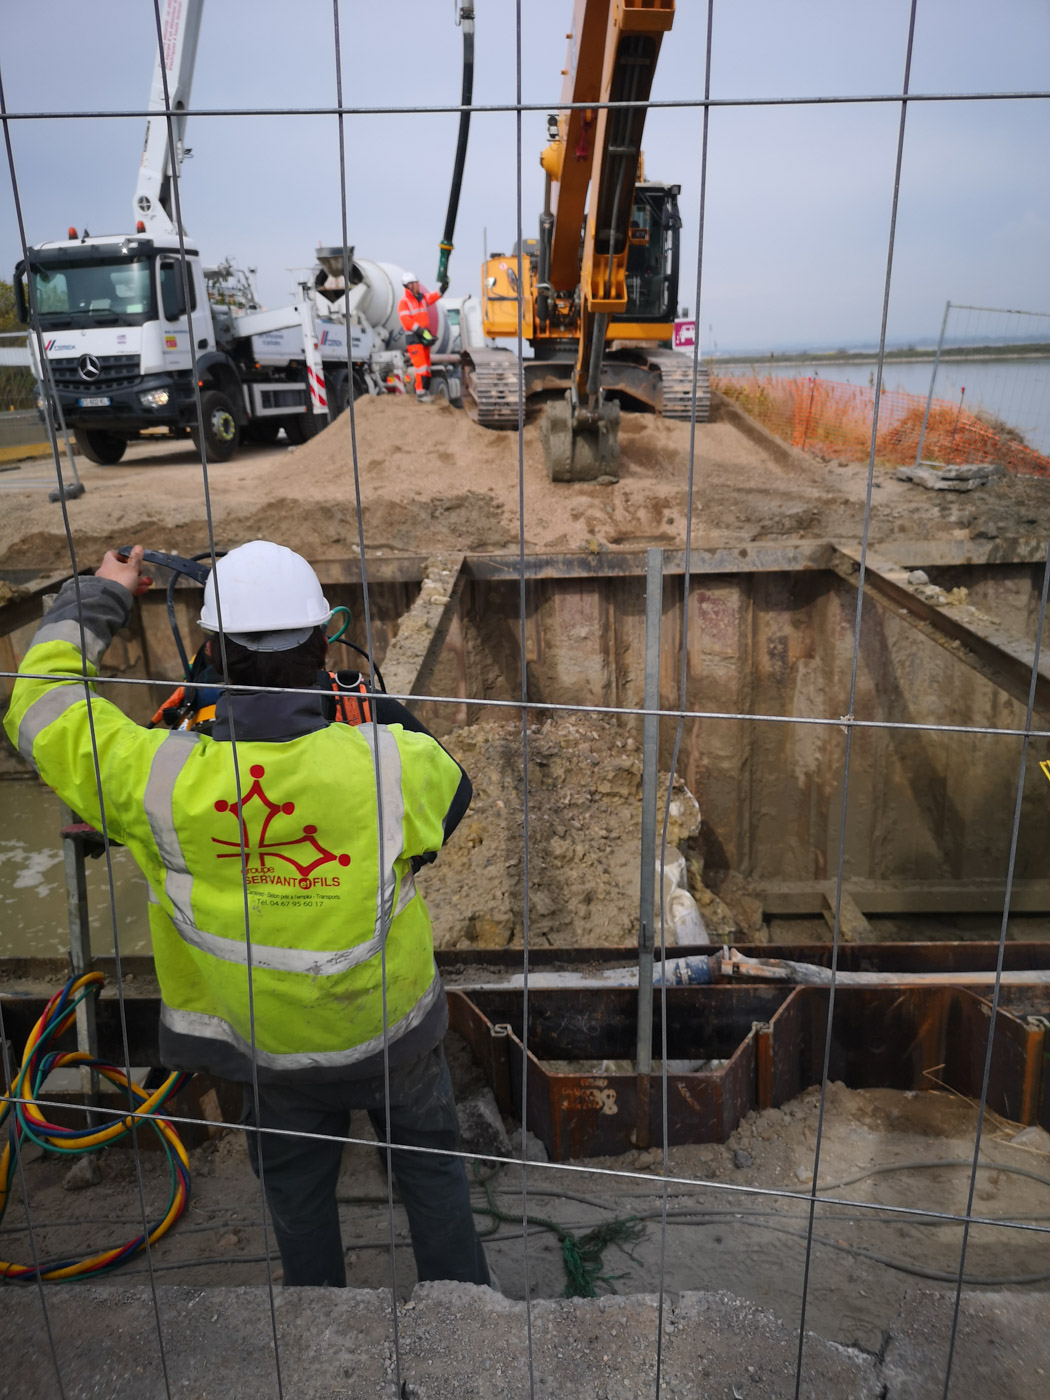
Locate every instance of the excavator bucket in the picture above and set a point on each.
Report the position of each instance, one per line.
(577, 453)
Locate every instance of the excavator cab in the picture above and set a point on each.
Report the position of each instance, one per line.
(652, 256)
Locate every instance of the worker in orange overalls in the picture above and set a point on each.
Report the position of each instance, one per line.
(415, 317)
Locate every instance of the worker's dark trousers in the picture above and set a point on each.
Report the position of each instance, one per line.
(300, 1173)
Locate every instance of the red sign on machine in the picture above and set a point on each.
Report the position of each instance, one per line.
(684, 335)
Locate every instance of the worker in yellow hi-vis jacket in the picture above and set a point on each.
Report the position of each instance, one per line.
(281, 853)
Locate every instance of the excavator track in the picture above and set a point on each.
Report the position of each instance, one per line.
(676, 382)
(492, 387)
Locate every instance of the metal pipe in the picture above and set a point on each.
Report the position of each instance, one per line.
(75, 870)
(594, 369)
(654, 594)
(80, 958)
(933, 380)
(466, 21)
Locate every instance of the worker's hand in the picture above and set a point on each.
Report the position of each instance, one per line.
(427, 337)
(125, 570)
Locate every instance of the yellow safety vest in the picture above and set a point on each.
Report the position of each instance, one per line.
(326, 892)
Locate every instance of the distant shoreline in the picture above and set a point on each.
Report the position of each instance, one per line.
(956, 355)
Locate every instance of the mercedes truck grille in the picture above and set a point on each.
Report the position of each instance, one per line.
(88, 373)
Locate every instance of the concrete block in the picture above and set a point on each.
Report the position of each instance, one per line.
(1002, 1347)
(455, 1341)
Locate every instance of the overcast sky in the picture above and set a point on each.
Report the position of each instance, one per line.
(798, 198)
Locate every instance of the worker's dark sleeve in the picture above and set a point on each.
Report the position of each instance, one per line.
(393, 712)
(73, 736)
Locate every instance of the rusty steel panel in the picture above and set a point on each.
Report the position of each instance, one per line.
(911, 1038)
(770, 1038)
(1016, 1071)
(596, 1114)
(993, 651)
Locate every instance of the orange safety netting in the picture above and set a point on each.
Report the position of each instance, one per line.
(831, 419)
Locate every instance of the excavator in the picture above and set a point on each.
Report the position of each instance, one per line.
(597, 291)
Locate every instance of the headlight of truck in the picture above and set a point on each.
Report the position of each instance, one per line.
(155, 398)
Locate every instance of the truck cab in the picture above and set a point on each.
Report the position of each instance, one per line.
(115, 333)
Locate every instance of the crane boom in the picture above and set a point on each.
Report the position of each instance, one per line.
(180, 30)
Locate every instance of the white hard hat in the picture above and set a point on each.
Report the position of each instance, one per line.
(407, 277)
(271, 598)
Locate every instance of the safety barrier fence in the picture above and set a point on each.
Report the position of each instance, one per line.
(833, 420)
(803, 414)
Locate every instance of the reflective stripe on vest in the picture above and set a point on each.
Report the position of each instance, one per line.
(270, 959)
(415, 311)
(195, 1023)
(158, 802)
(70, 631)
(168, 763)
(51, 706)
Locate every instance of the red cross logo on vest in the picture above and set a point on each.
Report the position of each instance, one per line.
(260, 848)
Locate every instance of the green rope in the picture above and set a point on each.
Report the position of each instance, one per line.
(581, 1254)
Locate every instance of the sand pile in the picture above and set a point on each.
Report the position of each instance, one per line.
(430, 479)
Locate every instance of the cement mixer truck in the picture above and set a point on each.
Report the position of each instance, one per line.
(365, 294)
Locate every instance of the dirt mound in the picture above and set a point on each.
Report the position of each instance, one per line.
(431, 479)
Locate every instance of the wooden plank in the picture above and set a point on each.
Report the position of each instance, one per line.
(853, 926)
(808, 897)
(751, 558)
(934, 553)
(995, 653)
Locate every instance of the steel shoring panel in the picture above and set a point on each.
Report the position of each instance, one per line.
(917, 1038)
(993, 652)
(26, 984)
(751, 557)
(795, 897)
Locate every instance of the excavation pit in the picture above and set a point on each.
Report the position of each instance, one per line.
(770, 643)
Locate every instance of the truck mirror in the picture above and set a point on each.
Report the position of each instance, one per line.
(21, 305)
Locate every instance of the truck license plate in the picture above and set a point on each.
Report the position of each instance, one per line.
(99, 401)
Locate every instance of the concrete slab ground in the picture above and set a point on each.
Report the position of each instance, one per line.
(456, 1342)
(1002, 1347)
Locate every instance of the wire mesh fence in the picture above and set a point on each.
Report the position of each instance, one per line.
(873, 424)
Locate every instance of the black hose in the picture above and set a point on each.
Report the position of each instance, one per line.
(466, 16)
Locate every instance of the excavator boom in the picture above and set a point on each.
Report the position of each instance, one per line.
(598, 289)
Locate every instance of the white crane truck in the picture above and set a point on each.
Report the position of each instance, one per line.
(115, 343)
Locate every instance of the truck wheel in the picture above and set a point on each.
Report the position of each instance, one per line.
(221, 433)
(262, 430)
(338, 394)
(300, 427)
(99, 446)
